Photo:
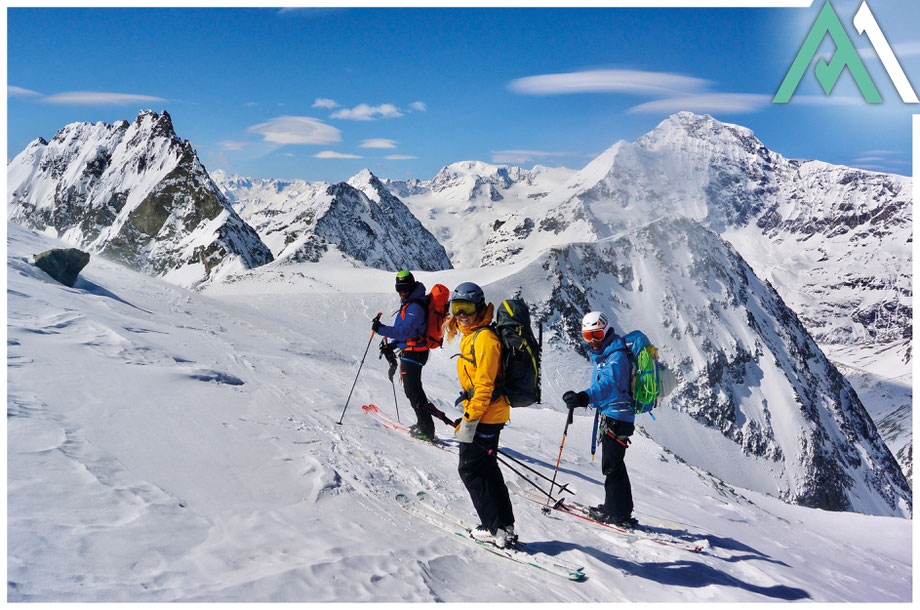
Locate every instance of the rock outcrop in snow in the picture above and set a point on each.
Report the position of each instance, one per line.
(135, 193)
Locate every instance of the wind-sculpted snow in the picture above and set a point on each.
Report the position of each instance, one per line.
(748, 368)
(134, 193)
(302, 222)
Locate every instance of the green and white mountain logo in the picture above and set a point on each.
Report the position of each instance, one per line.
(845, 57)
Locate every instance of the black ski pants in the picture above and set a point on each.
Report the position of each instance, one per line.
(480, 473)
(617, 490)
(410, 372)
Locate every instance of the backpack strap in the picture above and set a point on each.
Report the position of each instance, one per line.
(418, 342)
(468, 394)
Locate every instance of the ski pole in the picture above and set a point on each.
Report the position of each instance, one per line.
(396, 402)
(442, 416)
(359, 371)
(558, 459)
(563, 487)
(392, 363)
(524, 477)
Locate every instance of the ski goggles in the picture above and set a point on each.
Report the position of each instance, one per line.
(594, 335)
(458, 307)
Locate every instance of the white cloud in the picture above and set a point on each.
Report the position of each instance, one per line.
(325, 102)
(868, 159)
(420, 106)
(250, 104)
(99, 98)
(364, 112)
(901, 50)
(12, 91)
(378, 143)
(399, 157)
(331, 154)
(609, 81)
(725, 103)
(232, 144)
(523, 156)
(297, 130)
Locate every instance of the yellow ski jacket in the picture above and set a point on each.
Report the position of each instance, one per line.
(478, 367)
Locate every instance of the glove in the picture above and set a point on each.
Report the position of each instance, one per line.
(392, 370)
(388, 351)
(376, 324)
(575, 399)
(466, 430)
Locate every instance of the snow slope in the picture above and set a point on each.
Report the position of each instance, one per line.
(882, 378)
(166, 445)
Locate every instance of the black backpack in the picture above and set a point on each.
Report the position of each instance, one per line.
(521, 352)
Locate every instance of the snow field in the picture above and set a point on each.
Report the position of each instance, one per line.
(169, 446)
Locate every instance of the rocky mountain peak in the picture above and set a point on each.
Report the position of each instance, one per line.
(159, 125)
(135, 193)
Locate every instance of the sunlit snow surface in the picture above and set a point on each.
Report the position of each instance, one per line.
(165, 445)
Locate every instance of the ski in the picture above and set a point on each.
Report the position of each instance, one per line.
(420, 507)
(389, 424)
(639, 534)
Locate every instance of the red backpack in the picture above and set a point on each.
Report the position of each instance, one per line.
(436, 305)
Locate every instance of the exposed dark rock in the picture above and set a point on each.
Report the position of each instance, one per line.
(62, 264)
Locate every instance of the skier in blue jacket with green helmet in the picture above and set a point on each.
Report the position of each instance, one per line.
(610, 394)
(408, 339)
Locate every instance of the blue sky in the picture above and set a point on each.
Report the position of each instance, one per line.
(319, 94)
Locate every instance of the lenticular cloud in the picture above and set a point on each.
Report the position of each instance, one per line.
(297, 130)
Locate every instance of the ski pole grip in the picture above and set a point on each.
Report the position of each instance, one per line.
(376, 319)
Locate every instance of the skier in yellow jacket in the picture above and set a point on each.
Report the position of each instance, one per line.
(485, 412)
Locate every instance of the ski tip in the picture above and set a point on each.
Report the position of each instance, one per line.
(576, 576)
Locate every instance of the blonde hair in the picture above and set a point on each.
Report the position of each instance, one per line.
(452, 325)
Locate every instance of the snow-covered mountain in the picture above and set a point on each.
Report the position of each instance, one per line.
(759, 404)
(358, 219)
(166, 445)
(467, 202)
(882, 379)
(135, 193)
(834, 241)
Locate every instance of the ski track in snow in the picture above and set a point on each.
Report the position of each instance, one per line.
(169, 446)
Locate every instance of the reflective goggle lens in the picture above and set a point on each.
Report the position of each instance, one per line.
(591, 335)
(462, 307)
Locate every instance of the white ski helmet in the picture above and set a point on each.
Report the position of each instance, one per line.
(594, 321)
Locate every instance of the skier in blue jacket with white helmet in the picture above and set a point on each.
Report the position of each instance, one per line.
(610, 394)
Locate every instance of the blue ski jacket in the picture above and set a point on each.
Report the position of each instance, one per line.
(610, 380)
(410, 324)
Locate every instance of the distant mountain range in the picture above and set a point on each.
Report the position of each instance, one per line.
(735, 259)
(360, 219)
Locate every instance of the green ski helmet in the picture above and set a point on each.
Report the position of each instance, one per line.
(405, 281)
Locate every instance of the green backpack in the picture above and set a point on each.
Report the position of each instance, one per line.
(646, 385)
